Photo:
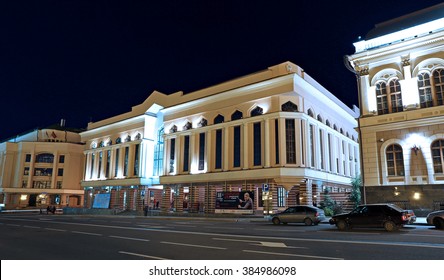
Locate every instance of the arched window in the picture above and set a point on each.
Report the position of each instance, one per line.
(187, 126)
(45, 158)
(118, 140)
(395, 96)
(438, 155)
(319, 118)
(381, 98)
(310, 113)
(219, 119)
(335, 127)
(289, 107)
(395, 160)
(173, 129)
(438, 81)
(257, 111)
(203, 122)
(327, 122)
(237, 115)
(425, 90)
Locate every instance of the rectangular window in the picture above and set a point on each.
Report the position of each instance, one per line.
(257, 144)
(237, 146)
(186, 153)
(60, 172)
(99, 171)
(330, 154)
(59, 185)
(281, 193)
(61, 159)
(28, 158)
(172, 154)
(116, 163)
(321, 144)
(302, 142)
(158, 154)
(312, 145)
(290, 141)
(125, 162)
(218, 156)
(276, 140)
(108, 162)
(43, 172)
(136, 159)
(92, 166)
(26, 171)
(201, 151)
(24, 184)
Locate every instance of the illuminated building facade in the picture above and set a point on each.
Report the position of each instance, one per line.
(400, 72)
(276, 134)
(40, 168)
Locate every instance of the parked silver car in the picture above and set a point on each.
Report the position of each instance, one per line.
(309, 215)
(436, 218)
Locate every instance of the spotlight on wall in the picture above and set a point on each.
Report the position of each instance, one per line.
(416, 195)
(381, 140)
(416, 149)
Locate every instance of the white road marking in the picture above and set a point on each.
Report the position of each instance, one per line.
(229, 228)
(13, 225)
(281, 230)
(140, 255)
(291, 255)
(55, 229)
(87, 233)
(193, 245)
(128, 238)
(261, 243)
(31, 227)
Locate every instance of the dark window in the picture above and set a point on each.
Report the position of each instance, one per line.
(92, 166)
(381, 98)
(28, 158)
(136, 159)
(201, 151)
(276, 140)
(218, 156)
(45, 158)
(425, 90)
(26, 171)
(237, 115)
(186, 153)
(289, 107)
(125, 162)
(61, 159)
(108, 159)
(257, 111)
(438, 155)
(100, 164)
(219, 119)
(172, 154)
(237, 146)
(116, 167)
(257, 144)
(395, 160)
(290, 141)
(60, 172)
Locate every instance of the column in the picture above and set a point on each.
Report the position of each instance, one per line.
(306, 193)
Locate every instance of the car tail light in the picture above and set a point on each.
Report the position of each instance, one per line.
(317, 214)
(404, 217)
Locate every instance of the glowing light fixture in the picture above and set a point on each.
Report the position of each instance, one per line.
(416, 195)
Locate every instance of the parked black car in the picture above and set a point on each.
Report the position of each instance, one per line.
(388, 216)
(309, 215)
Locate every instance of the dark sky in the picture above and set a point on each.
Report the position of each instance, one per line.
(90, 60)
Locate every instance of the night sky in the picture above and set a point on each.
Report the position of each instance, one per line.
(89, 60)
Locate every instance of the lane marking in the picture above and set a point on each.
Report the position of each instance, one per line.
(425, 235)
(128, 238)
(87, 233)
(283, 230)
(140, 255)
(31, 227)
(55, 229)
(225, 228)
(291, 255)
(13, 225)
(193, 245)
(261, 243)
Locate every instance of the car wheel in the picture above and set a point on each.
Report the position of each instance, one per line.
(438, 223)
(390, 226)
(341, 225)
(308, 222)
(276, 221)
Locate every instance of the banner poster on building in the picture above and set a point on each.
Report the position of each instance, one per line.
(101, 200)
(235, 202)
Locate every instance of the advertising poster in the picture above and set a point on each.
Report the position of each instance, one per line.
(235, 202)
(101, 200)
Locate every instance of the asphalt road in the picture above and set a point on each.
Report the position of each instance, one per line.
(64, 237)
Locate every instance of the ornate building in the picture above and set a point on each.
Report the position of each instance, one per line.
(400, 72)
(276, 134)
(42, 167)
